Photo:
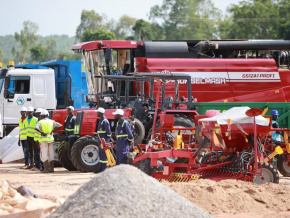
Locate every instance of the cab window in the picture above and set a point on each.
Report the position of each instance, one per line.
(19, 85)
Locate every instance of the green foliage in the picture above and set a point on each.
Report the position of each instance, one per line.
(123, 28)
(257, 19)
(37, 53)
(90, 20)
(100, 34)
(186, 19)
(143, 30)
(1, 56)
(284, 15)
(27, 38)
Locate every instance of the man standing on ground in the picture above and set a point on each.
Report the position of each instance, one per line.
(124, 137)
(22, 137)
(37, 136)
(30, 124)
(104, 131)
(46, 127)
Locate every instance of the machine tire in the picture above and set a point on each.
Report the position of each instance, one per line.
(269, 173)
(199, 138)
(145, 167)
(81, 153)
(64, 159)
(179, 120)
(283, 166)
(139, 132)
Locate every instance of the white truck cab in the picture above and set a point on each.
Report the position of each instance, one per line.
(24, 87)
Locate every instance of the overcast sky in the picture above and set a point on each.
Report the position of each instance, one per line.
(63, 16)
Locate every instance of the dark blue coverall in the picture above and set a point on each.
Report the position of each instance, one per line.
(69, 125)
(124, 138)
(104, 131)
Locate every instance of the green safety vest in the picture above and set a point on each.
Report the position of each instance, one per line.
(66, 129)
(30, 127)
(47, 128)
(22, 130)
(37, 136)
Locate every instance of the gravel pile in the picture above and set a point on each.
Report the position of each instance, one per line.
(125, 191)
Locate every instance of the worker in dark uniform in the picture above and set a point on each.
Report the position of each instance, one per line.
(69, 123)
(124, 137)
(104, 132)
(276, 134)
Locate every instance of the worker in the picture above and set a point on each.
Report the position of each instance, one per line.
(46, 127)
(104, 131)
(30, 124)
(22, 137)
(124, 137)
(37, 136)
(69, 124)
(276, 134)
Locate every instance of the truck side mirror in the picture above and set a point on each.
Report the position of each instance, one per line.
(108, 54)
(6, 86)
(7, 82)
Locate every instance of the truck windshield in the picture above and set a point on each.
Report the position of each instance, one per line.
(95, 62)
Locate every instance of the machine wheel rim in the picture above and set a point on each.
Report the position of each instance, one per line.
(286, 166)
(267, 177)
(90, 155)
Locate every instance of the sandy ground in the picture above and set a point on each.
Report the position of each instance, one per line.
(64, 183)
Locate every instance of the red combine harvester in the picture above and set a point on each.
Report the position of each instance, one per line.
(221, 71)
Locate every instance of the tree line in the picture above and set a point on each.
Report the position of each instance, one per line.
(172, 20)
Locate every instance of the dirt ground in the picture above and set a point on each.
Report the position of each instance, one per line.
(64, 183)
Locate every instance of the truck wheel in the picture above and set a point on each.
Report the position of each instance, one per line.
(199, 138)
(179, 120)
(63, 157)
(139, 132)
(283, 165)
(145, 167)
(269, 174)
(85, 154)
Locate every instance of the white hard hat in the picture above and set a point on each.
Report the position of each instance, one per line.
(38, 110)
(70, 107)
(30, 109)
(119, 111)
(23, 109)
(101, 110)
(44, 112)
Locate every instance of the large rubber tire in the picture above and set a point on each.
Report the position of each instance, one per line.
(139, 132)
(63, 157)
(199, 138)
(282, 165)
(145, 167)
(179, 120)
(85, 154)
(269, 173)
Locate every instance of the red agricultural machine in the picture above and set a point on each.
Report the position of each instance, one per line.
(234, 152)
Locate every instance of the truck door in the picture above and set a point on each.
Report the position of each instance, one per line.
(19, 95)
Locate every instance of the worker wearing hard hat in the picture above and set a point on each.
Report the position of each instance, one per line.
(22, 137)
(37, 136)
(46, 127)
(124, 137)
(104, 131)
(30, 124)
(276, 134)
(69, 124)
